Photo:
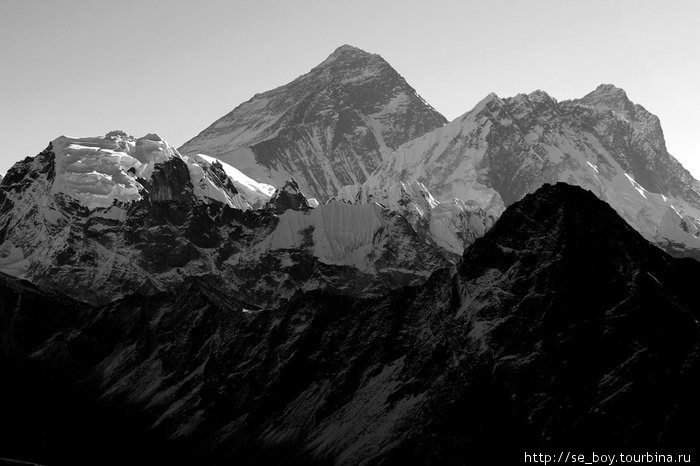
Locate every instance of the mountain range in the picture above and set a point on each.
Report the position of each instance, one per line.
(99, 218)
(503, 149)
(332, 273)
(562, 328)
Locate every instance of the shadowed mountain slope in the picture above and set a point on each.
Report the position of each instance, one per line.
(563, 327)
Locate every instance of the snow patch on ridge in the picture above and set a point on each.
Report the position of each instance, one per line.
(253, 191)
(638, 186)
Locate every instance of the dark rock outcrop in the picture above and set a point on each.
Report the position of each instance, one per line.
(288, 197)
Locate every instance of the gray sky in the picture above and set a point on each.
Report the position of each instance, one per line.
(85, 67)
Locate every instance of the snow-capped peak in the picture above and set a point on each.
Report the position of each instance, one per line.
(97, 171)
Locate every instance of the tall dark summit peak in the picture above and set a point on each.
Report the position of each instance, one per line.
(608, 96)
(610, 90)
(349, 49)
(349, 63)
(348, 52)
(328, 128)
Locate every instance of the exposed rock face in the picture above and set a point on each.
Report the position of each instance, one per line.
(101, 218)
(644, 147)
(570, 304)
(505, 148)
(326, 129)
(170, 181)
(288, 197)
(562, 328)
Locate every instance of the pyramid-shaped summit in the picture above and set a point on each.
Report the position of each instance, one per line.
(610, 97)
(328, 128)
(348, 52)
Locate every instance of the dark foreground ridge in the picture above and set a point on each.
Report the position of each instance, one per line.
(563, 328)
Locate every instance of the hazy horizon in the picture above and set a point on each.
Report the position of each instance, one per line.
(84, 68)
